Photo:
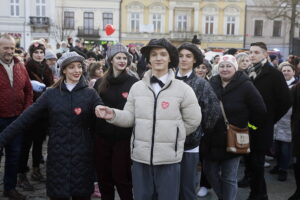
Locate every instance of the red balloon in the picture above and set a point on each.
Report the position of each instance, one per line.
(109, 29)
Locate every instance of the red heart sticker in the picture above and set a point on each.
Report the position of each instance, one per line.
(77, 111)
(165, 104)
(125, 94)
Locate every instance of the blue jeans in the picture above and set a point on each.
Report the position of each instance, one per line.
(12, 155)
(222, 176)
(283, 152)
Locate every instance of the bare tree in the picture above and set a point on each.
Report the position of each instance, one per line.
(288, 9)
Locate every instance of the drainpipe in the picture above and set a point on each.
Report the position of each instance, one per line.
(244, 42)
(120, 9)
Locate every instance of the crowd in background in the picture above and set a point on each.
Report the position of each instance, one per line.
(66, 86)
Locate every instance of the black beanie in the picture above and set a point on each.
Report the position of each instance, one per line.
(34, 46)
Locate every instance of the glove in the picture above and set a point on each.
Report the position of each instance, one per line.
(38, 86)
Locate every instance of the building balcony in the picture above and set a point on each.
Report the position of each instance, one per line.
(182, 35)
(88, 32)
(39, 21)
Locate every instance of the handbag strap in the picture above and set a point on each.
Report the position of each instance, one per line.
(224, 115)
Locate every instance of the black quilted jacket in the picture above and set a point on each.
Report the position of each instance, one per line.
(70, 165)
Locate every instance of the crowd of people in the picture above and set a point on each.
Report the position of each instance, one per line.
(143, 120)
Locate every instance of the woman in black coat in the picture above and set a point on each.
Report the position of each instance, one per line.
(242, 104)
(113, 143)
(70, 107)
(295, 125)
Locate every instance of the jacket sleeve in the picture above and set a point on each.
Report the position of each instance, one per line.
(210, 107)
(282, 97)
(28, 94)
(125, 118)
(25, 120)
(190, 111)
(256, 106)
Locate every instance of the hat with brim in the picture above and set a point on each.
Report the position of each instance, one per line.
(162, 43)
(195, 51)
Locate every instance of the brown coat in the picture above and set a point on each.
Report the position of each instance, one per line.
(295, 120)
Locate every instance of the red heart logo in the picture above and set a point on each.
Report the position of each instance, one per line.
(109, 29)
(125, 94)
(165, 104)
(77, 111)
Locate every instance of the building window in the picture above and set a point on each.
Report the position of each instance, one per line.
(230, 25)
(258, 27)
(88, 22)
(181, 23)
(135, 22)
(14, 8)
(156, 18)
(209, 25)
(40, 8)
(277, 28)
(107, 19)
(69, 20)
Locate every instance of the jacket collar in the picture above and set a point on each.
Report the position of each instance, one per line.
(148, 74)
(80, 85)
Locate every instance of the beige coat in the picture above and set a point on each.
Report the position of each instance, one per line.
(160, 123)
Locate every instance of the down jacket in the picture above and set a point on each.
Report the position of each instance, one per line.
(160, 122)
(70, 161)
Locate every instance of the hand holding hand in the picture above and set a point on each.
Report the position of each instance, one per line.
(104, 112)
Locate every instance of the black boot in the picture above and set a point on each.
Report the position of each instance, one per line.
(24, 183)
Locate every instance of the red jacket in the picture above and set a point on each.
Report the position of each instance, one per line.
(14, 100)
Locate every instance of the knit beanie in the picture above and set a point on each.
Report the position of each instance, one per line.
(230, 60)
(162, 43)
(115, 49)
(50, 55)
(67, 58)
(195, 51)
(35, 46)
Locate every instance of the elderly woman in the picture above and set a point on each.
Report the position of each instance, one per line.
(69, 106)
(242, 104)
(282, 130)
(243, 61)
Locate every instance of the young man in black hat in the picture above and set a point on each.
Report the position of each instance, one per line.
(275, 92)
(162, 111)
(190, 57)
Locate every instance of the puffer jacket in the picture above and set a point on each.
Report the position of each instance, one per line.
(160, 122)
(70, 161)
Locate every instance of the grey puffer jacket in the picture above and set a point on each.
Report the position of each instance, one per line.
(210, 109)
(161, 122)
(70, 161)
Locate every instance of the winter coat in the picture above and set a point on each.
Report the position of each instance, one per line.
(282, 129)
(275, 92)
(14, 100)
(242, 104)
(210, 109)
(40, 72)
(160, 122)
(115, 96)
(295, 120)
(70, 164)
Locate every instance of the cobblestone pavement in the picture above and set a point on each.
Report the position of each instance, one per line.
(276, 190)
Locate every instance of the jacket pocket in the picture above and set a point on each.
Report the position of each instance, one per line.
(176, 141)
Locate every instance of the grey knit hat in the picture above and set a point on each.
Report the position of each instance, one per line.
(115, 49)
(50, 55)
(67, 58)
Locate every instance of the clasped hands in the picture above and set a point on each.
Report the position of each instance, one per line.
(104, 112)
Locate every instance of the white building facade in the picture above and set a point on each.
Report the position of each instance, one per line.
(56, 20)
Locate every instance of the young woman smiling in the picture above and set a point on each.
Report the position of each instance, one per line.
(112, 142)
(69, 107)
